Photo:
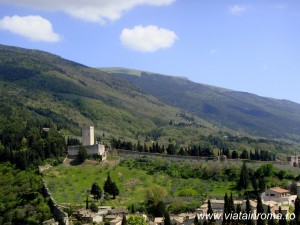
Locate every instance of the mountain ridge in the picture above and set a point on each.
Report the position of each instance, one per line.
(242, 111)
(161, 108)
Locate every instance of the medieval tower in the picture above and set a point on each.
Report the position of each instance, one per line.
(88, 136)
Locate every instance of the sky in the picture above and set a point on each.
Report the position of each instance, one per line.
(251, 46)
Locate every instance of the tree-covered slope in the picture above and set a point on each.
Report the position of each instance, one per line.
(239, 111)
(67, 95)
(71, 95)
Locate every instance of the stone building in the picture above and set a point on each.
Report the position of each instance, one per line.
(88, 141)
(294, 160)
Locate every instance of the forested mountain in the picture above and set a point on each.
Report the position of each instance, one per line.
(46, 90)
(70, 95)
(240, 111)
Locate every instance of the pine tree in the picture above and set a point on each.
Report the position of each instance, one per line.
(107, 184)
(114, 190)
(96, 191)
(94, 207)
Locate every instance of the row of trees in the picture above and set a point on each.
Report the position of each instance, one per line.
(193, 150)
(170, 149)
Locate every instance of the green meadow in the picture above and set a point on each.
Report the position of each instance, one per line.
(69, 184)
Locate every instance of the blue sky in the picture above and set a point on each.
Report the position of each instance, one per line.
(251, 46)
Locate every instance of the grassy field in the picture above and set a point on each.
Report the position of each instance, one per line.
(69, 184)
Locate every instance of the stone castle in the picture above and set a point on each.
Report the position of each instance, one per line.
(88, 141)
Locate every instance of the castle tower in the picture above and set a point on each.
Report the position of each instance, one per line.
(88, 136)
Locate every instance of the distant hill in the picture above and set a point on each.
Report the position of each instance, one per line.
(235, 110)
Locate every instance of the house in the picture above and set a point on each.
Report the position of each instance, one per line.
(88, 141)
(273, 206)
(118, 212)
(50, 222)
(294, 160)
(218, 205)
(284, 210)
(87, 216)
(279, 195)
(177, 220)
(116, 221)
(103, 210)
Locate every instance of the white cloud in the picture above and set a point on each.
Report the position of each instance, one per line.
(89, 10)
(35, 28)
(147, 39)
(238, 9)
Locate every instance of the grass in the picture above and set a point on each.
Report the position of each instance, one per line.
(69, 184)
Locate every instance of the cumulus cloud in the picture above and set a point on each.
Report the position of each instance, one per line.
(89, 10)
(147, 39)
(238, 9)
(35, 28)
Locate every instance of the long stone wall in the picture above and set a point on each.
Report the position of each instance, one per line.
(139, 154)
(193, 158)
(59, 214)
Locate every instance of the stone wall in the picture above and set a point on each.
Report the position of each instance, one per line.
(96, 149)
(58, 213)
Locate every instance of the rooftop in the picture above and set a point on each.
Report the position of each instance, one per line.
(279, 190)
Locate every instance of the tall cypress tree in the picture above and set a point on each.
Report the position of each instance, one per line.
(244, 177)
(226, 209)
(167, 219)
(248, 211)
(271, 220)
(196, 220)
(297, 210)
(87, 203)
(238, 211)
(124, 220)
(210, 212)
(282, 221)
(260, 210)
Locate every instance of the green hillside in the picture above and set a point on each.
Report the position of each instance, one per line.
(240, 111)
(72, 95)
(167, 110)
